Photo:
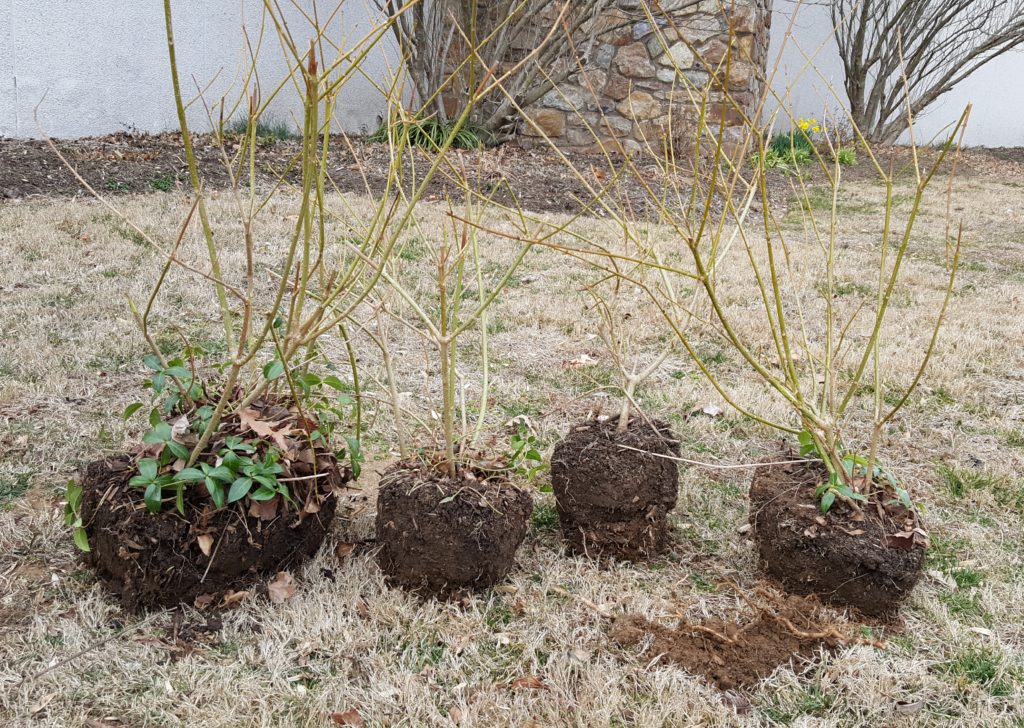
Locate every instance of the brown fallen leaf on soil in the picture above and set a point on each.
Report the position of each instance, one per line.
(282, 588)
(530, 682)
(264, 510)
(350, 717)
(342, 550)
(234, 597)
(205, 544)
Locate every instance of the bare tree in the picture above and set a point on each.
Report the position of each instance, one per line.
(902, 55)
(449, 47)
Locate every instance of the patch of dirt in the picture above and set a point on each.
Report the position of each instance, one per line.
(126, 163)
(536, 179)
(613, 492)
(154, 560)
(869, 562)
(439, 536)
(732, 654)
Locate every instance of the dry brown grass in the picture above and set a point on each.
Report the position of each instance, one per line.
(70, 362)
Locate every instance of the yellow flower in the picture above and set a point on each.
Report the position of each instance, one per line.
(816, 129)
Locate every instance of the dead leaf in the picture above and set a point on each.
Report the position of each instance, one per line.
(583, 360)
(909, 707)
(264, 510)
(983, 632)
(43, 702)
(343, 549)
(203, 601)
(363, 608)
(947, 581)
(250, 419)
(745, 528)
(179, 427)
(712, 410)
(530, 682)
(282, 588)
(205, 544)
(903, 541)
(234, 597)
(350, 717)
(455, 713)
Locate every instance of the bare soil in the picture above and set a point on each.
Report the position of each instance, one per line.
(865, 561)
(728, 653)
(441, 536)
(614, 491)
(534, 179)
(127, 163)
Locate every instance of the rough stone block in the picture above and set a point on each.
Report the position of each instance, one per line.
(634, 61)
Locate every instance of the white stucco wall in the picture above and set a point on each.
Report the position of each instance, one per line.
(996, 90)
(102, 64)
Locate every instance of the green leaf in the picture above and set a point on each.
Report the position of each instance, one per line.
(309, 379)
(847, 492)
(239, 489)
(179, 450)
(273, 370)
(148, 468)
(161, 432)
(263, 494)
(131, 409)
(216, 492)
(179, 500)
(221, 473)
(267, 481)
(81, 539)
(178, 372)
(152, 497)
(154, 417)
(153, 362)
(334, 383)
(191, 475)
(827, 500)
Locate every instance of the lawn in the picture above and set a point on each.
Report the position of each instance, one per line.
(534, 651)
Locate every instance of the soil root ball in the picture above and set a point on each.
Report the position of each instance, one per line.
(440, 536)
(155, 560)
(614, 490)
(864, 561)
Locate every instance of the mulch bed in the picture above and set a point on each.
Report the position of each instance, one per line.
(128, 163)
(125, 163)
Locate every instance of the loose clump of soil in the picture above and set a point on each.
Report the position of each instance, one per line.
(154, 560)
(729, 654)
(613, 491)
(439, 536)
(870, 561)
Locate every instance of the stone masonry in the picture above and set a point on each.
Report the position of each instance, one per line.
(635, 75)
